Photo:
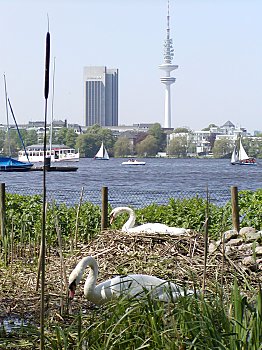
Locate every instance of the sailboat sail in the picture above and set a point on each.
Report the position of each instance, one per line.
(239, 156)
(242, 154)
(102, 154)
(234, 156)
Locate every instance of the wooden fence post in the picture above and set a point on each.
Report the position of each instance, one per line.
(235, 209)
(2, 210)
(104, 209)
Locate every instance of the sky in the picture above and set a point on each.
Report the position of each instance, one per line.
(217, 43)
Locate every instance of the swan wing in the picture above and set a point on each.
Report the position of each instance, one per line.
(157, 228)
(130, 285)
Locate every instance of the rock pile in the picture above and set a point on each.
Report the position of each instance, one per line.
(244, 246)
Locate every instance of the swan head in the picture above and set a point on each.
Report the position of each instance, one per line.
(77, 274)
(114, 213)
(72, 289)
(73, 281)
(117, 211)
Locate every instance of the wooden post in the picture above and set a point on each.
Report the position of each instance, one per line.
(235, 209)
(2, 210)
(104, 209)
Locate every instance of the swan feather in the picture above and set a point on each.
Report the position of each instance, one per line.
(146, 228)
(134, 285)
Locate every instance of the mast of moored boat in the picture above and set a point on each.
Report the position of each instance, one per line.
(7, 119)
(17, 128)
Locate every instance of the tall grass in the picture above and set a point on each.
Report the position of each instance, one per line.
(189, 323)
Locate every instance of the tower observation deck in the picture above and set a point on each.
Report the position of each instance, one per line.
(168, 67)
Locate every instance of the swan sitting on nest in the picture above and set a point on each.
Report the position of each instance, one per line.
(128, 285)
(147, 228)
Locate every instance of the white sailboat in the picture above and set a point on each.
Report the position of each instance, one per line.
(239, 155)
(102, 154)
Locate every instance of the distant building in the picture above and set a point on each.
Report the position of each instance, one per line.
(100, 96)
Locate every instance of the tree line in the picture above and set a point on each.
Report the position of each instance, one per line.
(141, 144)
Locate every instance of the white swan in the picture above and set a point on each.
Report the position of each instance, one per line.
(148, 228)
(129, 285)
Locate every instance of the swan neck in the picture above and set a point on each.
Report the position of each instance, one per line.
(90, 283)
(131, 220)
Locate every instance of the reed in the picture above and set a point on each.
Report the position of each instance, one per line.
(190, 323)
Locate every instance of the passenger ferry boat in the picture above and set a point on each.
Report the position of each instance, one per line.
(58, 153)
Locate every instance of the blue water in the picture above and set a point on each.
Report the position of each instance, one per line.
(159, 174)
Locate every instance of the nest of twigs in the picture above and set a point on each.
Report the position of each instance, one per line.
(175, 258)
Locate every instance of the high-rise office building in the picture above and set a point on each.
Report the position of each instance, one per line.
(100, 96)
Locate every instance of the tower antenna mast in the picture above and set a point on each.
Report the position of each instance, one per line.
(168, 67)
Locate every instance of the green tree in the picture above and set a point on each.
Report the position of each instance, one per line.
(30, 137)
(87, 145)
(60, 137)
(71, 137)
(12, 144)
(160, 136)
(90, 142)
(2, 139)
(181, 130)
(122, 147)
(147, 147)
(94, 129)
(140, 136)
(222, 148)
(209, 127)
(178, 147)
(101, 134)
(108, 138)
(253, 146)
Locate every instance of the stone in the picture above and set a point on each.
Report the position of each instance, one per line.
(249, 261)
(212, 247)
(252, 236)
(230, 234)
(235, 241)
(258, 250)
(247, 230)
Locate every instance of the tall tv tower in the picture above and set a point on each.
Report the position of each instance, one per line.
(168, 67)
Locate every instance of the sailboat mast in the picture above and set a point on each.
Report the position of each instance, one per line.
(7, 119)
(17, 128)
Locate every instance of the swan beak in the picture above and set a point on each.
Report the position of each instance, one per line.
(72, 289)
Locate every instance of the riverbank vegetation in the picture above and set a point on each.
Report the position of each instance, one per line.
(228, 315)
(24, 221)
(149, 143)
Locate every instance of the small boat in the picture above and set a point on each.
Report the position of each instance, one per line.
(11, 164)
(102, 154)
(133, 162)
(240, 157)
(8, 163)
(58, 153)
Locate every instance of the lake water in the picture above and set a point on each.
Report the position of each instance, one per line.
(157, 176)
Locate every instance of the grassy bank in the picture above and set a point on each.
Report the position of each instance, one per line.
(227, 316)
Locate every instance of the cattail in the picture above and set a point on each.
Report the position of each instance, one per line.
(47, 65)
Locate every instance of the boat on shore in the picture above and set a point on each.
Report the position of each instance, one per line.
(240, 157)
(58, 153)
(133, 162)
(102, 153)
(11, 164)
(7, 163)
